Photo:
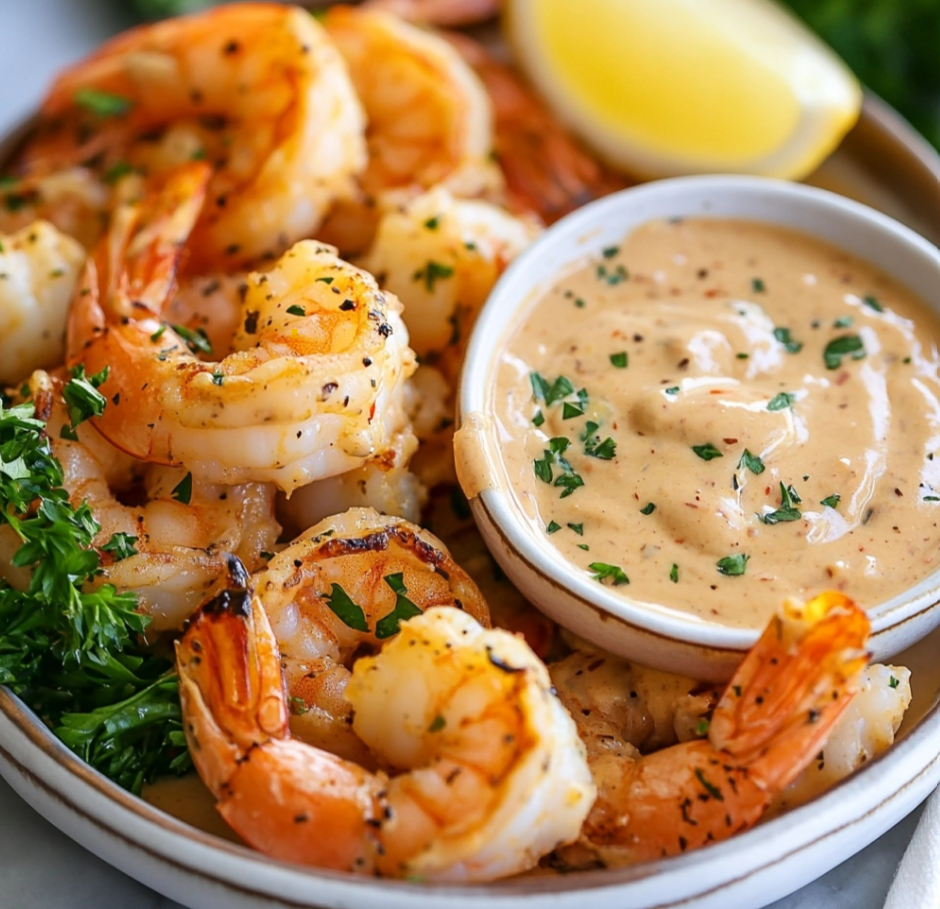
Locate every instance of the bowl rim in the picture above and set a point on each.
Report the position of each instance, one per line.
(520, 284)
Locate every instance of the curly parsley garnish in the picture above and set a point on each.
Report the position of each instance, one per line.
(70, 647)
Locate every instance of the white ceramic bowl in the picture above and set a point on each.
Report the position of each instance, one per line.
(611, 619)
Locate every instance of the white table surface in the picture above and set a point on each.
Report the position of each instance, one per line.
(40, 868)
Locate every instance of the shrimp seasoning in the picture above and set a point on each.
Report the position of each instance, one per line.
(716, 414)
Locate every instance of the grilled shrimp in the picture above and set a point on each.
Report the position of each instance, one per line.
(179, 538)
(318, 357)
(429, 121)
(770, 723)
(256, 89)
(488, 771)
(441, 256)
(39, 267)
(339, 590)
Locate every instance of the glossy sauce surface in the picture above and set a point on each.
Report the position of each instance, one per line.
(718, 414)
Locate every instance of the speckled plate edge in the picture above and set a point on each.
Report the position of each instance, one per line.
(204, 872)
(749, 871)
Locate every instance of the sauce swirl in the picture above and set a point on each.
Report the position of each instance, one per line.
(718, 414)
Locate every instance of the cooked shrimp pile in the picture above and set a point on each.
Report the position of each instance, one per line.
(261, 239)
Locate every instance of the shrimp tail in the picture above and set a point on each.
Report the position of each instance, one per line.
(792, 687)
(230, 680)
(233, 698)
(771, 722)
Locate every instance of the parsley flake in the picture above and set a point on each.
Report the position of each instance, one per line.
(82, 396)
(121, 546)
(831, 501)
(552, 527)
(733, 565)
(196, 339)
(787, 510)
(784, 337)
(432, 273)
(648, 508)
(345, 609)
(619, 360)
(296, 310)
(183, 491)
(839, 347)
(604, 572)
(101, 103)
(751, 462)
(872, 303)
(707, 452)
(781, 401)
(404, 609)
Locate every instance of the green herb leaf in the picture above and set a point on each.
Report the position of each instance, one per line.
(613, 573)
(196, 339)
(437, 724)
(751, 462)
(569, 483)
(787, 510)
(839, 347)
(347, 611)
(784, 337)
(707, 452)
(610, 252)
(570, 410)
(404, 609)
(538, 419)
(648, 508)
(433, 223)
(183, 491)
(758, 286)
(872, 303)
(604, 450)
(295, 310)
(672, 390)
(552, 527)
(577, 528)
(842, 322)
(101, 103)
(674, 574)
(121, 546)
(831, 501)
(781, 401)
(619, 360)
(82, 396)
(893, 682)
(432, 273)
(733, 565)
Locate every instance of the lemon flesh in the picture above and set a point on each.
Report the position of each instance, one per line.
(666, 87)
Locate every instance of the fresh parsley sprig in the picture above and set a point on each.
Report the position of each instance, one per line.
(70, 648)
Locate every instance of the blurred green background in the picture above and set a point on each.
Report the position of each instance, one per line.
(893, 46)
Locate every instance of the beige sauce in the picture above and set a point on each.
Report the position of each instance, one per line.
(759, 418)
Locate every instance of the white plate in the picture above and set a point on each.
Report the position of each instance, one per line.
(882, 164)
(204, 872)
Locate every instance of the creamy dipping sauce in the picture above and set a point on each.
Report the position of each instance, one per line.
(719, 414)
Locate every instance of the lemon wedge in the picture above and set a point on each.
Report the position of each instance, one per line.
(668, 87)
